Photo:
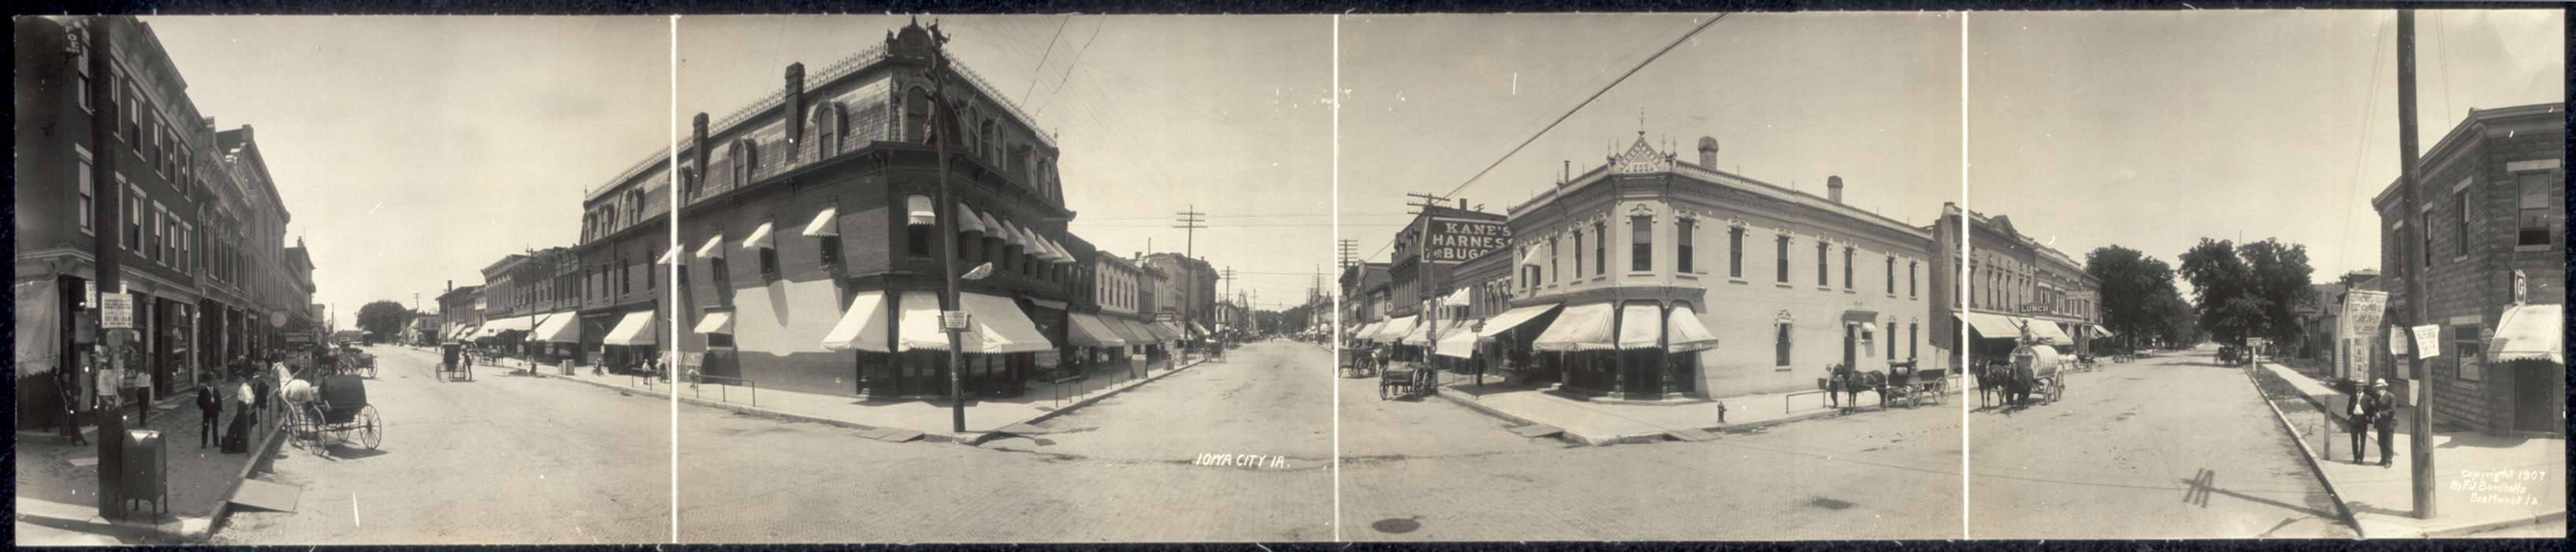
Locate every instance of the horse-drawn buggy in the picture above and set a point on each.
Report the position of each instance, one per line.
(1906, 382)
(1396, 383)
(456, 362)
(334, 412)
(352, 361)
(1358, 363)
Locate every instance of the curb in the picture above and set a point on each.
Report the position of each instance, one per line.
(224, 505)
(2306, 454)
(935, 437)
(1461, 398)
(2473, 527)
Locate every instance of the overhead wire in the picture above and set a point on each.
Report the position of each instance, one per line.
(1042, 58)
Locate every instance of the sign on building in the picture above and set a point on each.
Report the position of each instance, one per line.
(2363, 311)
(2428, 341)
(116, 311)
(1453, 241)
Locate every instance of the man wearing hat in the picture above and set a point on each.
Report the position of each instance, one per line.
(2378, 410)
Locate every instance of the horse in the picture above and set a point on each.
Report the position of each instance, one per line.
(1994, 381)
(1850, 382)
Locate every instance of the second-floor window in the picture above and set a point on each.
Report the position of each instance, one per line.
(1783, 258)
(1641, 248)
(88, 191)
(1600, 250)
(2534, 221)
(1578, 246)
(2460, 226)
(1891, 276)
(1682, 245)
(1735, 252)
(1910, 278)
(1823, 264)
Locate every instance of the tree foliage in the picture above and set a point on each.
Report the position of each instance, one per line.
(383, 317)
(2135, 291)
(2250, 291)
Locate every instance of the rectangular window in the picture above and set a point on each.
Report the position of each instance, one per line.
(1682, 246)
(1578, 246)
(1848, 256)
(159, 248)
(81, 84)
(1641, 245)
(1914, 341)
(1824, 274)
(2461, 226)
(2464, 364)
(1909, 279)
(1734, 252)
(2425, 230)
(2535, 222)
(719, 276)
(768, 263)
(1891, 274)
(1780, 345)
(1600, 249)
(1783, 257)
(829, 250)
(916, 240)
(133, 215)
(1552, 272)
(88, 191)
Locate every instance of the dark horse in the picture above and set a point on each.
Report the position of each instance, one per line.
(1994, 383)
(1848, 383)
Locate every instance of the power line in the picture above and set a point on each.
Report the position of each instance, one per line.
(1050, 50)
(1068, 66)
(1605, 89)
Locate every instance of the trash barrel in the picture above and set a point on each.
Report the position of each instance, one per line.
(147, 465)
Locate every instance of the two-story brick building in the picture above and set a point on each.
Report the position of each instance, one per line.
(2491, 200)
(1668, 279)
(2016, 286)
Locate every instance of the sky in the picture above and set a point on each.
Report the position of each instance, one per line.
(1146, 126)
(1791, 98)
(411, 151)
(2264, 124)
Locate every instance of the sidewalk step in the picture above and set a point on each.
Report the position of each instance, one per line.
(1537, 430)
(1693, 435)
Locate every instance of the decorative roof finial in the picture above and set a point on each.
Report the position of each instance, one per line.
(1641, 121)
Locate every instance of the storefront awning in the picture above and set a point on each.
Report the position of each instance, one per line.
(1641, 326)
(1129, 330)
(968, 221)
(561, 327)
(1395, 329)
(1166, 330)
(1991, 326)
(1422, 333)
(995, 325)
(464, 332)
(2048, 332)
(1012, 235)
(1090, 331)
(634, 329)
(1368, 329)
(1510, 319)
(1460, 342)
(669, 257)
(2529, 332)
(2101, 332)
(1683, 332)
(825, 223)
(715, 323)
(1579, 328)
(919, 210)
(991, 227)
(862, 326)
(1202, 329)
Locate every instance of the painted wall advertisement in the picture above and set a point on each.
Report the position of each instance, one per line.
(2363, 312)
(1453, 241)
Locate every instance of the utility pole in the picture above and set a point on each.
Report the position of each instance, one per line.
(1189, 224)
(1349, 250)
(945, 225)
(2419, 430)
(1427, 281)
(112, 347)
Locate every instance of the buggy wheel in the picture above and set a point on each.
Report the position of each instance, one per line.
(370, 427)
(308, 426)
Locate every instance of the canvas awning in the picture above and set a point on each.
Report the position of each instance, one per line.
(561, 327)
(1011, 234)
(991, 227)
(1538, 255)
(2529, 332)
(919, 210)
(1395, 328)
(1510, 319)
(1641, 326)
(1991, 326)
(2048, 332)
(1367, 330)
(824, 223)
(1202, 329)
(1683, 332)
(1579, 328)
(996, 325)
(1422, 333)
(714, 249)
(634, 329)
(1090, 331)
(1128, 330)
(759, 238)
(669, 257)
(2101, 331)
(1460, 342)
(1166, 330)
(968, 221)
(862, 326)
(464, 332)
(716, 323)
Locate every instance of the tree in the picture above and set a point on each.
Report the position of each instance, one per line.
(2251, 291)
(2280, 279)
(2134, 286)
(383, 318)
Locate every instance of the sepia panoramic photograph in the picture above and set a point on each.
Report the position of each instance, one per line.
(1304, 278)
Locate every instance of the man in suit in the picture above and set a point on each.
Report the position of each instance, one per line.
(2382, 406)
(210, 410)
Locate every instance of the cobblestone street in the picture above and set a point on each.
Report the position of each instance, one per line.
(2173, 446)
(502, 459)
(1118, 470)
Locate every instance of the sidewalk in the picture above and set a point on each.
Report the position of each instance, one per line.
(1603, 423)
(2482, 482)
(886, 419)
(56, 502)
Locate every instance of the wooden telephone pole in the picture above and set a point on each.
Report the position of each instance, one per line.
(1425, 280)
(2419, 430)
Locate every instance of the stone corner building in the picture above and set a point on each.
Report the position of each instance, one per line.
(2492, 195)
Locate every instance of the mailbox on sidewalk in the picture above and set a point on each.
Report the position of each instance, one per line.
(147, 465)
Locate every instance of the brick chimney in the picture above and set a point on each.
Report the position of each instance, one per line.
(1708, 152)
(1833, 188)
(698, 135)
(795, 106)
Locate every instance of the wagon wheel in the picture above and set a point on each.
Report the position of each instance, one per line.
(370, 428)
(371, 371)
(1385, 390)
(309, 426)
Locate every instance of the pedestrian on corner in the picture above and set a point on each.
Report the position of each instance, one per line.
(210, 410)
(2383, 408)
(143, 387)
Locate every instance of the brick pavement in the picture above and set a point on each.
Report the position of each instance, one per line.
(2482, 483)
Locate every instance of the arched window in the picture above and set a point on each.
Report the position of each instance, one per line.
(746, 160)
(989, 149)
(827, 125)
